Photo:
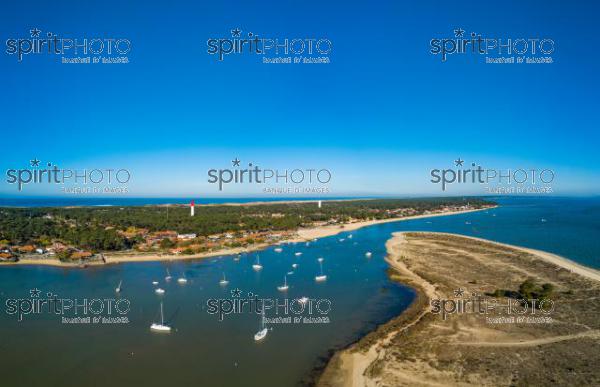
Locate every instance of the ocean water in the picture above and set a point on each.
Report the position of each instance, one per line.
(40, 350)
(23, 201)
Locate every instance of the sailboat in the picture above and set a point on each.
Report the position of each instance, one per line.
(303, 300)
(168, 277)
(320, 259)
(182, 279)
(224, 281)
(321, 277)
(285, 286)
(294, 265)
(154, 283)
(298, 254)
(118, 288)
(159, 291)
(368, 254)
(350, 236)
(161, 327)
(257, 266)
(262, 333)
(237, 257)
(278, 249)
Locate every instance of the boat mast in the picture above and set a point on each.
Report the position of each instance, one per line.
(162, 320)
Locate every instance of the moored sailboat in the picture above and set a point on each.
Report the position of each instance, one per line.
(321, 277)
(162, 327)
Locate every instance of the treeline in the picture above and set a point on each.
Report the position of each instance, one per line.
(96, 228)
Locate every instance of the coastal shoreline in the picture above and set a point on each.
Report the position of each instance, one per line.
(357, 364)
(303, 235)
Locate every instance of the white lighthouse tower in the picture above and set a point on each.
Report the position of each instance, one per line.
(192, 208)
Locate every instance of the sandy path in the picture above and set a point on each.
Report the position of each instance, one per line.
(535, 342)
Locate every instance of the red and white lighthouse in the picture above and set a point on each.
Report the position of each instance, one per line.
(192, 208)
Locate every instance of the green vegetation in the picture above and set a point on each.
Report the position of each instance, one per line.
(101, 229)
(528, 291)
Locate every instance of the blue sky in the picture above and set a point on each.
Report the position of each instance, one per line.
(381, 115)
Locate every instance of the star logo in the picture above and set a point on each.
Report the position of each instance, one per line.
(459, 162)
(459, 33)
(236, 293)
(35, 162)
(35, 33)
(236, 33)
(35, 292)
(459, 292)
(236, 162)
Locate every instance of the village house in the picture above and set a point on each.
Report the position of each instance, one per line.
(186, 236)
(26, 249)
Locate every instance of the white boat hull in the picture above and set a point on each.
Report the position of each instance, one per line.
(160, 328)
(321, 278)
(257, 267)
(260, 335)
